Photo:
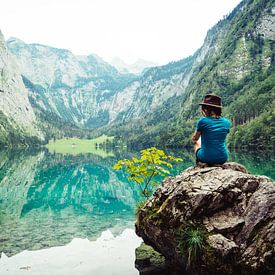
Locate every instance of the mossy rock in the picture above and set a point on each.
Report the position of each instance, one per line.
(148, 261)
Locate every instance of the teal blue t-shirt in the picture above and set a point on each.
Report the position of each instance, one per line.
(213, 133)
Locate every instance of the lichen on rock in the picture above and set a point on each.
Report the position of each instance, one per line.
(235, 209)
(149, 261)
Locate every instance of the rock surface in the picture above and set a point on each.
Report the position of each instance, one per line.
(15, 106)
(150, 262)
(232, 209)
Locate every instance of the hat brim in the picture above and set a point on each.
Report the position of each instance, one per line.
(212, 105)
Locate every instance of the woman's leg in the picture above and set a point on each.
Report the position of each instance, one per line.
(197, 145)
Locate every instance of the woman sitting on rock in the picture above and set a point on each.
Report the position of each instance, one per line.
(211, 130)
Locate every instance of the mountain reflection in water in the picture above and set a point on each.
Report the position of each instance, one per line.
(48, 199)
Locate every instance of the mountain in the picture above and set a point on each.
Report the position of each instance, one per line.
(79, 89)
(136, 68)
(17, 118)
(160, 105)
(236, 61)
(241, 71)
(90, 93)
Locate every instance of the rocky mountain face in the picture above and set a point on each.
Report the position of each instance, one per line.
(159, 106)
(78, 89)
(236, 62)
(241, 70)
(243, 44)
(89, 92)
(212, 220)
(17, 117)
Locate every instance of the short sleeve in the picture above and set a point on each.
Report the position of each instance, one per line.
(200, 125)
(227, 125)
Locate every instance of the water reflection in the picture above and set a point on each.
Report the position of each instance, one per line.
(48, 199)
(257, 163)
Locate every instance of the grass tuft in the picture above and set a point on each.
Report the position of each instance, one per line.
(191, 244)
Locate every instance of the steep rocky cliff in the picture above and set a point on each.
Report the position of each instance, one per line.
(17, 118)
(213, 220)
(236, 61)
(88, 91)
(79, 89)
(243, 44)
(242, 72)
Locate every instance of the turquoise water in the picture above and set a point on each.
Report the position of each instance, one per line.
(47, 199)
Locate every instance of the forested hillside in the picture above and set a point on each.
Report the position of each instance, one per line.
(69, 95)
(242, 73)
(239, 68)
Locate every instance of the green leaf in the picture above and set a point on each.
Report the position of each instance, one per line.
(145, 169)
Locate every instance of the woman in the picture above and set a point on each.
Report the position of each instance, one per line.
(211, 130)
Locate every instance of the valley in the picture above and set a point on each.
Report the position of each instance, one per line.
(49, 93)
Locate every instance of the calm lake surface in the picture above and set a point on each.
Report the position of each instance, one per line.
(47, 200)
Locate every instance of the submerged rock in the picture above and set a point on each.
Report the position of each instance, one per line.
(210, 220)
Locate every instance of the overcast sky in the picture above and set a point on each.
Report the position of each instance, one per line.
(154, 30)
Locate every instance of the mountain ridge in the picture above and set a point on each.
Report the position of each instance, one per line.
(17, 117)
(159, 106)
(235, 62)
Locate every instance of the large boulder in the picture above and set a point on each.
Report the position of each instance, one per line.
(213, 220)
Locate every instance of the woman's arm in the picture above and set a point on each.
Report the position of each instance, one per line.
(196, 136)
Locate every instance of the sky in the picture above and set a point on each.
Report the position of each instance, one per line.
(154, 30)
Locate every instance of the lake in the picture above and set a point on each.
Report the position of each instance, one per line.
(73, 214)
